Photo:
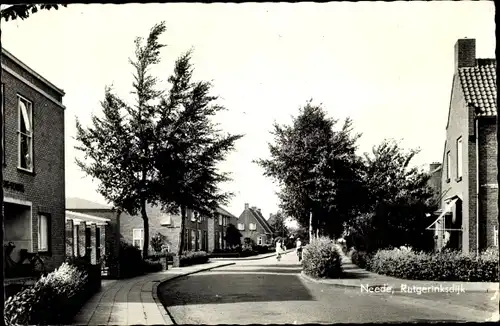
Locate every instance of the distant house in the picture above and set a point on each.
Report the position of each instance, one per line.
(253, 225)
(468, 219)
(32, 162)
(219, 226)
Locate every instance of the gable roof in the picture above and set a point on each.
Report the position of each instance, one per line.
(80, 203)
(222, 211)
(479, 85)
(262, 221)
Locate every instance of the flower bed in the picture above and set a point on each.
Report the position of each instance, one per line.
(444, 266)
(321, 259)
(55, 298)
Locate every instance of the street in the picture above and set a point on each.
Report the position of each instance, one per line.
(267, 291)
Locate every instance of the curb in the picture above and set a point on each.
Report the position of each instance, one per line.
(319, 281)
(167, 316)
(250, 258)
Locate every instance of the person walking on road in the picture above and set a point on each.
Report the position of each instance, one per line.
(299, 249)
(278, 250)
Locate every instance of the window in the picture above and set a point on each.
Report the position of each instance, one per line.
(200, 240)
(220, 240)
(75, 240)
(25, 134)
(43, 232)
(193, 239)
(259, 241)
(186, 239)
(448, 166)
(205, 241)
(241, 227)
(495, 236)
(459, 159)
(3, 123)
(223, 240)
(220, 219)
(193, 217)
(166, 220)
(217, 240)
(252, 227)
(138, 238)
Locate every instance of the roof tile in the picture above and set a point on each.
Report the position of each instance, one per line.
(479, 86)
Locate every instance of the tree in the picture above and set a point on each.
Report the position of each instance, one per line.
(191, 148)
(25, 10)
(398, 201)
(233, 236)
(278, 225)
(316, 168)
(119, 147)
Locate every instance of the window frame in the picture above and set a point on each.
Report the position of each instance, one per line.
(76, 240)
(495, 236)
(48, 244)
(259, 241)
(242, 227)
(140, 239)
(20, 134)
(252, 226)
(448, 166)
(459, 145)
(220, 220)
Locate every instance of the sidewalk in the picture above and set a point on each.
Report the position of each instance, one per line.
(261, 256)
(134, 301)
(357, 277)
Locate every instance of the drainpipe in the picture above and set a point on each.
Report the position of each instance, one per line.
(476, 131)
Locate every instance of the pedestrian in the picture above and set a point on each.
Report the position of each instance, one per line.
(278, 250)
(299, 249)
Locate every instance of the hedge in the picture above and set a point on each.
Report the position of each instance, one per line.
(54, 299)
(443, 266)
(189, 258)
(321, 259)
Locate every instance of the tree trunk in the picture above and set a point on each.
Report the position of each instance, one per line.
(182, 232)
(145, 246)
(310, 227)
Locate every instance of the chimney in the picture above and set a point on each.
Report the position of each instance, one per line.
(258, 210)
(434, 166)
(246, 205)
(465, 53)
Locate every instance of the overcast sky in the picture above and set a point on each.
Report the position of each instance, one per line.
(389, 66)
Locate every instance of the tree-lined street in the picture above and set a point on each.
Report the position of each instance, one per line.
(267, 291)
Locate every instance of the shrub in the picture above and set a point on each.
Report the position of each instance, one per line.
(193, 258)
(447, 265)
(151, 266)
(53, 299)
(321, 259)
(261, 249)
(360, 258)
(130, 260)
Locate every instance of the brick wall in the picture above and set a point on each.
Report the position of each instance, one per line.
(246, 218)
(45, 187)
(488, 180)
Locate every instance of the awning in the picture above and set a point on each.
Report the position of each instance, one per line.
(80, 217)
(446, 210)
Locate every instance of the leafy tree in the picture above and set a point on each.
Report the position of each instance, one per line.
(119, 147)
(278, 225)
(23, 11)
(398, 201)
(233, 236)
(316, 168)
(191, 147)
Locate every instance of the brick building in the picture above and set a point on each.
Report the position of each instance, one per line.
(202, 233)
(253, 225)
(468, 217)
(32, 162)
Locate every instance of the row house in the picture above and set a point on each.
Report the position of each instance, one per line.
(468, 218)
(32, 163)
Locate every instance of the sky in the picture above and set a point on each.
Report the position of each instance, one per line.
(387, 65)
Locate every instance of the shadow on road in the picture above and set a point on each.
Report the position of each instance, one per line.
(232, 288)
(268, 270)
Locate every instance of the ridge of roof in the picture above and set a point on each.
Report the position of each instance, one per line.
(261, 220)
(479, 86)
(80, 203)
(222, 211)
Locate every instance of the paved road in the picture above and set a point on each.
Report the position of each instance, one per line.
(266, 291)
